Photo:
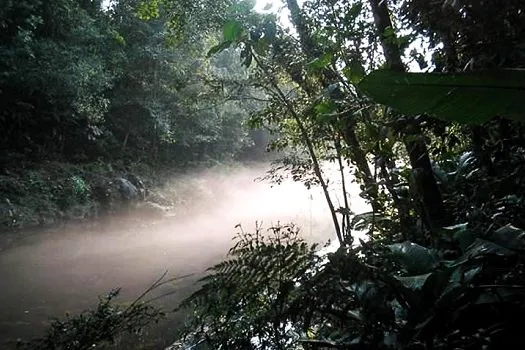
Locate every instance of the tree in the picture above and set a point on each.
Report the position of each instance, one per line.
(425, 183)
(397, 290)
(55, 77)
(312, 66)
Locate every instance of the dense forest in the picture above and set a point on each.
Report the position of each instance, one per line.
(93, 90)
(420, 102)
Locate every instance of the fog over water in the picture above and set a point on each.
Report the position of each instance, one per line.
(49, 272)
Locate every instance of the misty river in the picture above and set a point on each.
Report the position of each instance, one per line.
(49, 272)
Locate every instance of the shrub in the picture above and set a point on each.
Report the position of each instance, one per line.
(275, 292)
(103, 325)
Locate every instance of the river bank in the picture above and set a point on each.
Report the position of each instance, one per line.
(50, 194)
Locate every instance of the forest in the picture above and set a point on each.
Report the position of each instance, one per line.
(418, 102)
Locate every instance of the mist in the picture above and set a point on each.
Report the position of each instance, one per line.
(50, 272)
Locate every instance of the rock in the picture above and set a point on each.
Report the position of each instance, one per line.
(127, 190)
(139, 185)
(119, 194)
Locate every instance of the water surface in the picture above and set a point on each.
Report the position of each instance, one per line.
(46, 273)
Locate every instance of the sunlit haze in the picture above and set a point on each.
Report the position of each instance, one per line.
(64, 269)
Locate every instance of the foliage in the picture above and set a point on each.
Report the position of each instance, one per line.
(243, 302)
(81, 83)
(468, 35)
(459, 97)
(98, 327)
(443, 264)
(50, 193)
(399, 296)
(189, 21)
(79, 187)
(54, 75)
(475, 195)
(442, 267)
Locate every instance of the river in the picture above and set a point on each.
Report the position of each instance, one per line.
(46, 273)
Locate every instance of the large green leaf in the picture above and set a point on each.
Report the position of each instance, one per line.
(416, 259)
(219, 48)
(461, 234)
(461, 97)
(500, 294)
(321, 62)
(232, 31)
(509, 237)
(481, 247)
(414, 282)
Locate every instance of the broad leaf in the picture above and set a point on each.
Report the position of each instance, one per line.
(262, 46)
(499, 294)
(461, 234)
(354, 72)
(416, 259)
(219, 48)
(509, 237)
(321, 62)
(462, 97)
(361, 222)
(450, 294)
(481, 247)
(232, 31)
(325, 107)
(414, 282)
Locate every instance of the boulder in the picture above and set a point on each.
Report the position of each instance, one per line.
(128, 192)
(139, 185)
(111, 196)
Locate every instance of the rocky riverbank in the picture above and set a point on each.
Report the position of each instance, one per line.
(52, 193)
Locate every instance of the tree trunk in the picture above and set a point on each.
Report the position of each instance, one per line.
(307, 42)
(426, 186)
(358, 157)
(348, 133)
(311, 151)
